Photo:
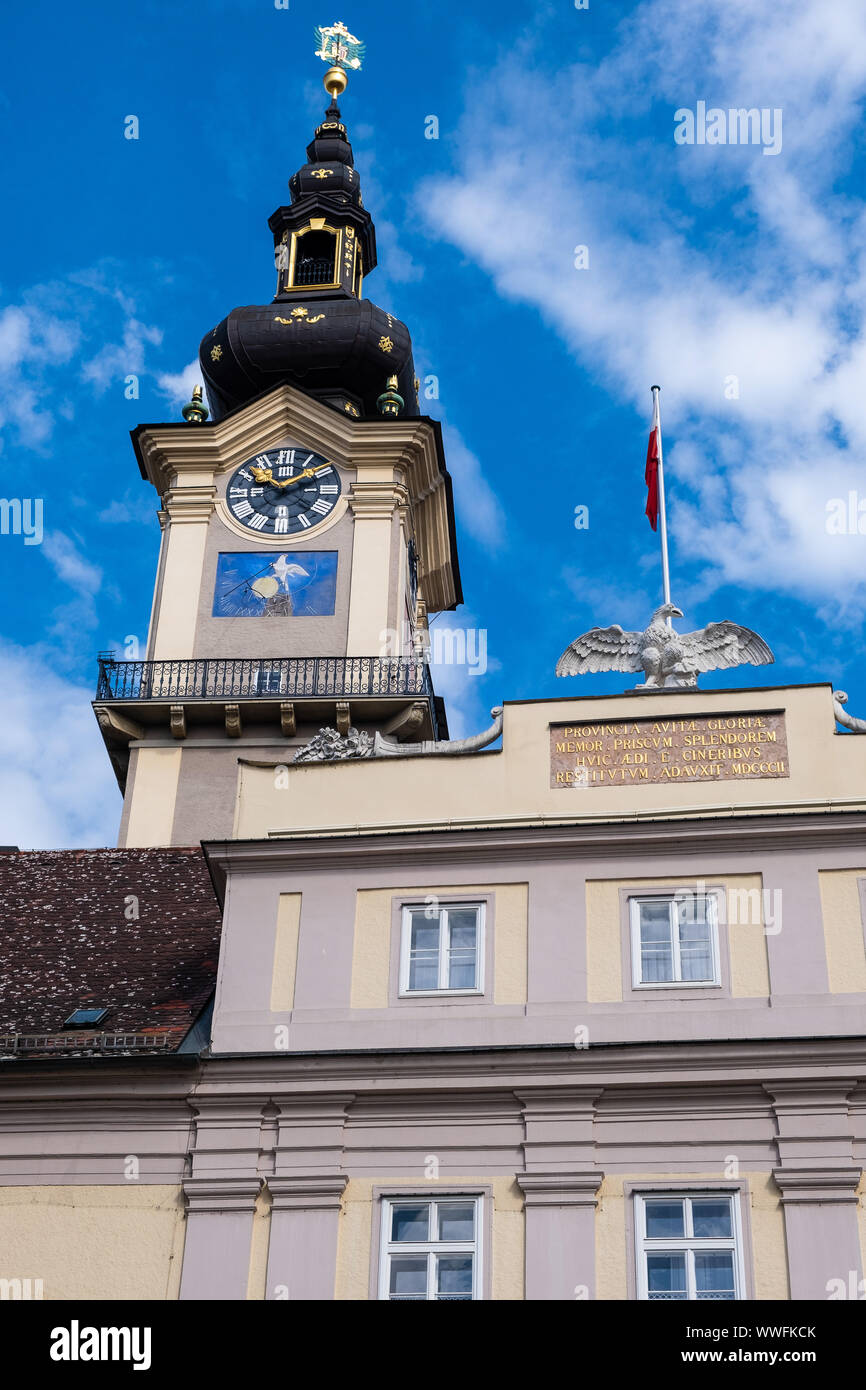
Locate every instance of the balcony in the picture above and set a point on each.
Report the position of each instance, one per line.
(283, 678)
(272, 699)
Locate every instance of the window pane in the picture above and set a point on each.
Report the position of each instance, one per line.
(425, 932)
(411, 1223)
(656, 948)
(692, 907)
(656, 961)
(463, 922)
(714, 1274)
(462, 937)
(424, 971)
(711, 1219)
(424, 951)
(408, 1277)
(456, 1220)
(666, 1276)
(696, 956)
(655, 916)
(455, 1277)
(664, 1220)
(461, 972)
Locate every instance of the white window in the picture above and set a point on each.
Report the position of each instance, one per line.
(689, 1247)
(431, 1249)
(674, 940)
(269, 680)
(442, 949)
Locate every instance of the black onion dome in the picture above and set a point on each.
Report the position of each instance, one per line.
(317, 333)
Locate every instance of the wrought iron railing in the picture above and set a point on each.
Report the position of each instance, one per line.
(17, 1043)
(283, 678)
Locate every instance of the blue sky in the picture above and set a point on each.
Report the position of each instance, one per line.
(556, 130)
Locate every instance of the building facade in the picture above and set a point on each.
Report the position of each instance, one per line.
(577, 1017)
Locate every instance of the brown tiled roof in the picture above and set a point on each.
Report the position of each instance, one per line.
(66, 942)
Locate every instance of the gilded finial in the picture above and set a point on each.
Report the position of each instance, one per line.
(335, 45)
(195, 412)
(390, 402)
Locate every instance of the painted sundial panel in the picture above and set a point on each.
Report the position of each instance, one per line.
(277, 584)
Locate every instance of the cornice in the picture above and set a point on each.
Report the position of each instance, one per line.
(409, 444)
(827, 1184)
(554, 1189)
(541, 840)
(221, 1194)
(652, 1076)
(322, 1192)
(664, 1069)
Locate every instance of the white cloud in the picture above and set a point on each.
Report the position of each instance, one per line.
(477, 506)
(115, 361)
(58, 787)
(37, 337)
(770, 290)
(177, 386)
(70, 566)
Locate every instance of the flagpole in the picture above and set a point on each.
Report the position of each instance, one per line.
(663, 526)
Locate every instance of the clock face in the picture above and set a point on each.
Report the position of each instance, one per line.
(284, 492)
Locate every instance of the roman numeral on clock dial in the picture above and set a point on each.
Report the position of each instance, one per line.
(289, 504)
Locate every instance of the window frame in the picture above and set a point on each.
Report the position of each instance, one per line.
(633, 986)
(289, 286)
(389, 1199)
(263, 686)
(442, 992)
(688, 1194)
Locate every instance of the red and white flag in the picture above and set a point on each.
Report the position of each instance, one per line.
(651, 472)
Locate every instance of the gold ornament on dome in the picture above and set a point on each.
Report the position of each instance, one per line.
(386, 344)
(299, 316)
(322, 174)
(216, 353)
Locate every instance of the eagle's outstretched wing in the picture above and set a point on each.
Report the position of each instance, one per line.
(602, 649)
(724, 644)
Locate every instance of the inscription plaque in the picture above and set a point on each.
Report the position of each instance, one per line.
(700, 748)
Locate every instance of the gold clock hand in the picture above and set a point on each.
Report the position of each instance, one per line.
(305, 473)
(265, 475)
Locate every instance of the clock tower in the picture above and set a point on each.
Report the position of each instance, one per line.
(307, 527)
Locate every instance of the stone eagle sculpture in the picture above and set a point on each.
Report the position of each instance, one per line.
(670, 660)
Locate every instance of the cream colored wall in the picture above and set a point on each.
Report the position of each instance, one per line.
(843, 929)
(767, 1257)
(355, 1246)
(154, 793)
(371, 573)
(513, 786)
(79, 1240)
(371, 959)
(174, 638)
(286, 952)
(750, 974)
